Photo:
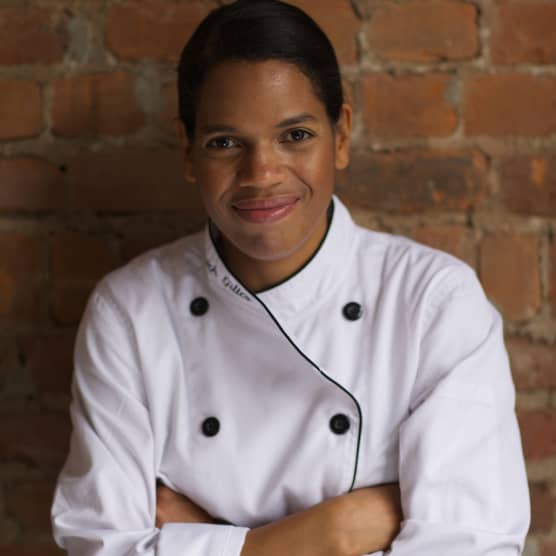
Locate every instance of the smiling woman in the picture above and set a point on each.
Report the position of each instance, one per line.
(286, 382)
(265, 156)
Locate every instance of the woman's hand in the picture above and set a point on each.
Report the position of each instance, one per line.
(172, 507)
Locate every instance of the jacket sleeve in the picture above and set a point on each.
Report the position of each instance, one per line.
(105, 499)
(462, 473)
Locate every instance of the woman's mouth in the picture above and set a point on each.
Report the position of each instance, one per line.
(259, 211)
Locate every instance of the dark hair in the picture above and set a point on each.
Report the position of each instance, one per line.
(258, 30)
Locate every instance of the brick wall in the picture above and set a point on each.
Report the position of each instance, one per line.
(455, 145)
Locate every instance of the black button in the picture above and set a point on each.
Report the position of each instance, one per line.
(352, 311)
(339, 424)
(210, 426)
(199, 306)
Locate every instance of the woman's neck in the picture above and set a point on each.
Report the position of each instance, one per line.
(258, 275)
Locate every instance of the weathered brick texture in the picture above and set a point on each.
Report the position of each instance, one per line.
(543, 505)
(104, 104)
(30, 184)
(22, 267)
(422, 31)
(538, 429)
(20, 109)
(410, 181)
(517, 104)
(339, 22)
(456, 240)
(533, 364)
(155, 29)
(127, 180)
(523, 33)
(32, 35)
(454, 146)
(528, 184)
(408, 105)
(553, 276)
(38, 439)
(509, 270)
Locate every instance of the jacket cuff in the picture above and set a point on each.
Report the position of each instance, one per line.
(200, 539)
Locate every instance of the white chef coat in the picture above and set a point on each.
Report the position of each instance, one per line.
(257, 406)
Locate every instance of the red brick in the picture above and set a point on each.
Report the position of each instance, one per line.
(30, 184)
(543, 506)
(155, 29)
(103, 103)
(132, 180)
(408, 181)
(20, 109)
(456, 240)
(407, 105)
(547, 548)
(81, 257)
(510, 104)
(523, 33)
(528, 184)
(31, 550)
(538, 433)
(49, 359)
(510, 274)
(21, 276)
(423, 31)
(31, 35)
(33, 518)
(533, 365)
(69, 301)
(553, 276)
(339, 22)
(40, 439)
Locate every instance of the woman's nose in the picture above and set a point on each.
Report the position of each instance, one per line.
(260, 166)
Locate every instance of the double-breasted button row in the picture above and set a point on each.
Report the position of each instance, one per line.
(339, 424)
(351, 311)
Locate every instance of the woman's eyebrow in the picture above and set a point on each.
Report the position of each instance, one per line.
(295, 120)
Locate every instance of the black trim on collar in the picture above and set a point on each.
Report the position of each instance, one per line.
(215, 236)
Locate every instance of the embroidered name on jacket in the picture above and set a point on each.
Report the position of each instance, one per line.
(235, 288)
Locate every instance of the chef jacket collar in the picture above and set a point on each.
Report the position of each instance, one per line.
(303, 290)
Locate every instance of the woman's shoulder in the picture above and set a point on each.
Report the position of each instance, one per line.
(150, 273)
(417, 269)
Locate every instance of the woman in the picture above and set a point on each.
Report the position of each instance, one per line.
(273, 371)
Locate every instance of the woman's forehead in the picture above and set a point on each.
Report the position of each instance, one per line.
(269, 92)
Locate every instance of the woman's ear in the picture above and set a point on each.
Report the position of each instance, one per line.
(343, 136)
(186, 148)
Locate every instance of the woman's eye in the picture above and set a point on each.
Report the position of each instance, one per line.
(222, 143)
(297, 135)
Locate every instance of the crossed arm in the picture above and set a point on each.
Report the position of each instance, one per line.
(360, 522)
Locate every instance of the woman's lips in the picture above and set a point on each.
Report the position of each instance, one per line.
(260, 211)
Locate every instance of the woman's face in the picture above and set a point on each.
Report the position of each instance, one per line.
(264, 155)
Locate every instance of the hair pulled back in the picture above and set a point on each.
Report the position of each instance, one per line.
(258, 30)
